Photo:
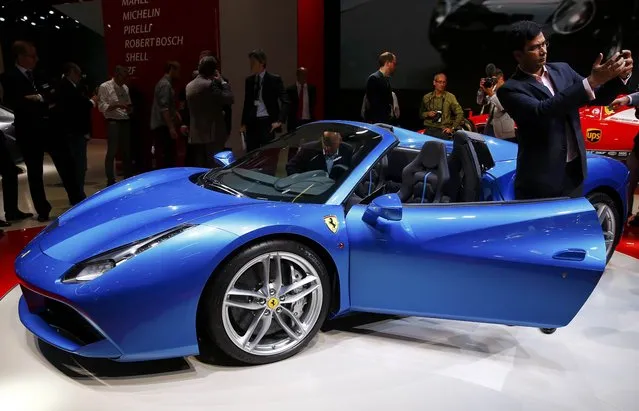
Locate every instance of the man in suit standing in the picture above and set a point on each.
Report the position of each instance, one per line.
(302, 97)
(544, 100)
(29, 95)
(379, 94)
(265, 103)
(206, 97)
(73, 121)
(330, 154)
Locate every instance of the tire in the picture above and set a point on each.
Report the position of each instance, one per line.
(609, 221)
(226, 325)
(468, 125)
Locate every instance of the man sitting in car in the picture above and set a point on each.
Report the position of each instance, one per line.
(330, 154)
(441, 112)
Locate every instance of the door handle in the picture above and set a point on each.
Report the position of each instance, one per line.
(572, 254)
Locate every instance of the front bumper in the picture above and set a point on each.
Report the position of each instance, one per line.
(64, 327)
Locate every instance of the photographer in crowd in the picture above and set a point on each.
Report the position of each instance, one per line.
(499, 123)
(441, 112)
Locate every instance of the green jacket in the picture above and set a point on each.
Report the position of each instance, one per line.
(452, 112)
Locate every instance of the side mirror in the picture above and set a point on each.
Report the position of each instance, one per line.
(224, 158)
(387, 207)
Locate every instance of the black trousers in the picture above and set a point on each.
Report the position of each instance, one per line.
(9, 176)
(572, 185)
(77, 146)
(258, 133)
(165, 148)
(201, 155)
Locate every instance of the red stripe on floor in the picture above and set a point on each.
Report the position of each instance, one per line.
(11, 243)
(629, 243)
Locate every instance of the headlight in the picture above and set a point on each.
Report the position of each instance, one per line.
(97, 266)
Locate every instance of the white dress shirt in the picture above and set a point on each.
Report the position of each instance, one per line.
(111, 93)
(261, 107)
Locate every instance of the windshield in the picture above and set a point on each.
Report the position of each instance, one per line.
(305, 166)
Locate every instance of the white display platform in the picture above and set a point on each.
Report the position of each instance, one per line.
(387, 364)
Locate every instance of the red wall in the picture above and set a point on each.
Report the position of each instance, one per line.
(310, 45)
(144, 34)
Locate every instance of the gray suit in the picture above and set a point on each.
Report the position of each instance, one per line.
(207, 134)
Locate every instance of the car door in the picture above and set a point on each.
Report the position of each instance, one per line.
(520, 263)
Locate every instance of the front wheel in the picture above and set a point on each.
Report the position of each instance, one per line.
(267, 303)
(610, 220)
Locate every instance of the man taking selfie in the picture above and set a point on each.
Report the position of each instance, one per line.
(544, 100)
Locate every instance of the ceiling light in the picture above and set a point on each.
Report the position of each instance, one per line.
(51, 12)
(1, 18)
(41, 17)
(25, 18)
(33, 23)
(57, 27)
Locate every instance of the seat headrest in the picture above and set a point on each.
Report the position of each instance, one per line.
(431, 154)
(478, 142)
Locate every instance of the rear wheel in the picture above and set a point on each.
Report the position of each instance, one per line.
(267, 303)
(610, 220)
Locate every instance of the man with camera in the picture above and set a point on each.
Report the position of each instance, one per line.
(499, 123)
(544, 100)
(441, 112)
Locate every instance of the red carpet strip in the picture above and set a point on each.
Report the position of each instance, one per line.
(12, 242)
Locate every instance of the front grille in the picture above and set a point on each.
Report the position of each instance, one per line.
(61, 317)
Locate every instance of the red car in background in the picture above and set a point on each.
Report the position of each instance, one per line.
(606, 131)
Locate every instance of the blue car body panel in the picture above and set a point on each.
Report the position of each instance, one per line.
(520, 263)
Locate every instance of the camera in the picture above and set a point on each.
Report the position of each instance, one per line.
(489, 82)
(438, 117)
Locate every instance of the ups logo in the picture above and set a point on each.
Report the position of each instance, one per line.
(593, 135)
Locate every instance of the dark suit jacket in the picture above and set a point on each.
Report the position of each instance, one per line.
(380, 98)
(311, 157)
(29, 115)
(273, 94)
(541, 119)
(294, 101)
(72, 111)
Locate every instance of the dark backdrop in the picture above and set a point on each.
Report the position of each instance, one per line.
(406, 27)
(56, 46)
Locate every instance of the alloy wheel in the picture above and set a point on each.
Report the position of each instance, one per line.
(272, 303)
(608, 223)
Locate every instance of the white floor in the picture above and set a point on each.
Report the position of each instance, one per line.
(386, 364)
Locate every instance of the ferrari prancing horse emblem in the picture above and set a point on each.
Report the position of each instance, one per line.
(272, 303)
(332, 223)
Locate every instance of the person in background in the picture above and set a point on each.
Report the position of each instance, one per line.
(499, 123)
(632, 162)
(114, 101)
(326, 154)
(206, 96)
(9, 176)
(544, 100)
(73, 121)
(302, 97)
(29, 95)
(165, 122)
(378, 101)
(439, 109)
(265, 103)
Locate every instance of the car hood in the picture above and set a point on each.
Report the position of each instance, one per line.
(132, 210)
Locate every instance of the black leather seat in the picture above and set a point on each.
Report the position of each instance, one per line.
(423, 180)
(375, 178)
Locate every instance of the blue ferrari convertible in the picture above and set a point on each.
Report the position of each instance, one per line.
(249, 259)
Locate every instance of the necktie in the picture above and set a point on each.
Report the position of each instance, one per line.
(258, 87)
(29, 74)
(300, 105)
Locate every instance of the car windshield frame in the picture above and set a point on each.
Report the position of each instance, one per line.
(264, 174)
